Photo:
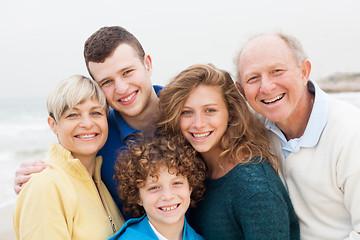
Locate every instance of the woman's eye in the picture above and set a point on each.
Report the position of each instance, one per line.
(96, 113)
(71, 115)
(210, 110)
(186, 112)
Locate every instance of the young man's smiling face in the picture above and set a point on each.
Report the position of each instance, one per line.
(125, 80)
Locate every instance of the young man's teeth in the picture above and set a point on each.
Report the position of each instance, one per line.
(128, 98)
(201, 135)
(87, 136)
(169, 208)
(274, 99)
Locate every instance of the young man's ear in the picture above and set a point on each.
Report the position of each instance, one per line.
(52, 124)
(148, 64)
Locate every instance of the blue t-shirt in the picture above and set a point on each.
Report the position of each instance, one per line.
(119, 132)
(139, 228)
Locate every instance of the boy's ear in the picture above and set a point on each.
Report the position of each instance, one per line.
(140, 202)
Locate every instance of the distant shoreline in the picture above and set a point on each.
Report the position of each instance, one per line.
(341, 82)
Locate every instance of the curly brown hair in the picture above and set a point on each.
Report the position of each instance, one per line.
(245, 136)
(145, 157)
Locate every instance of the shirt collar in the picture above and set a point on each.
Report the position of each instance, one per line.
(161, 237)
(316, 124)
(124, 128)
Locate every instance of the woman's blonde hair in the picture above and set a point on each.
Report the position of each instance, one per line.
(72, 91)
(245, 136)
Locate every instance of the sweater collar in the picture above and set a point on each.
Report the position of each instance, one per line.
(61, 157)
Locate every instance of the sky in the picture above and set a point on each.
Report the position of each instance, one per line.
(42, 40)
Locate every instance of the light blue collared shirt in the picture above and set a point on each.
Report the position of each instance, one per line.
(316, 124)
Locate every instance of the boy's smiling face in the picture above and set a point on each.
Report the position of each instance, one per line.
(165, 199)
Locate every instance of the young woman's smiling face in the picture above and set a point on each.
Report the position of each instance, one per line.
(204, 118)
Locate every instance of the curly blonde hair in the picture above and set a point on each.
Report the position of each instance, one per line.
(145, 157)
(245, 136)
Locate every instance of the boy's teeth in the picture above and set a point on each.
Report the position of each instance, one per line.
(128, 98)
(201, 135)
(169, 208)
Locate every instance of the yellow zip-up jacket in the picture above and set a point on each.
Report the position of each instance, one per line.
(63, 202)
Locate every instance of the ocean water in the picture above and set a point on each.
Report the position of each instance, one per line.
(25, 136)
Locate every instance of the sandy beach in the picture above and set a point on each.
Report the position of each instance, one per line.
(6, 226)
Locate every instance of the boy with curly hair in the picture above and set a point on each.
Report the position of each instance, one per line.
(158, 178)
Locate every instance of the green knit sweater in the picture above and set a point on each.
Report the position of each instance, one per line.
(249, 202)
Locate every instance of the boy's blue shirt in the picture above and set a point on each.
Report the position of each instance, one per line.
(119, 133)
(139, 228)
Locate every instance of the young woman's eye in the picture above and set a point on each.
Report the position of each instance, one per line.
(210, 110)
(185, 112)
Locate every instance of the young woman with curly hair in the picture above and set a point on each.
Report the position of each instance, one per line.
(158, 178)
(244, 198)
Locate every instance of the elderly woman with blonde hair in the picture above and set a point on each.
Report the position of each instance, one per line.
(68, 200)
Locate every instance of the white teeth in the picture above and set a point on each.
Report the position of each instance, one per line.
(274, 99)
(169, 208)
(201, 135)
(86, 136)
(128, 98)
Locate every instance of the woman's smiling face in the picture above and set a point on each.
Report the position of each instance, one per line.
(204, 118)
(82, 130)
